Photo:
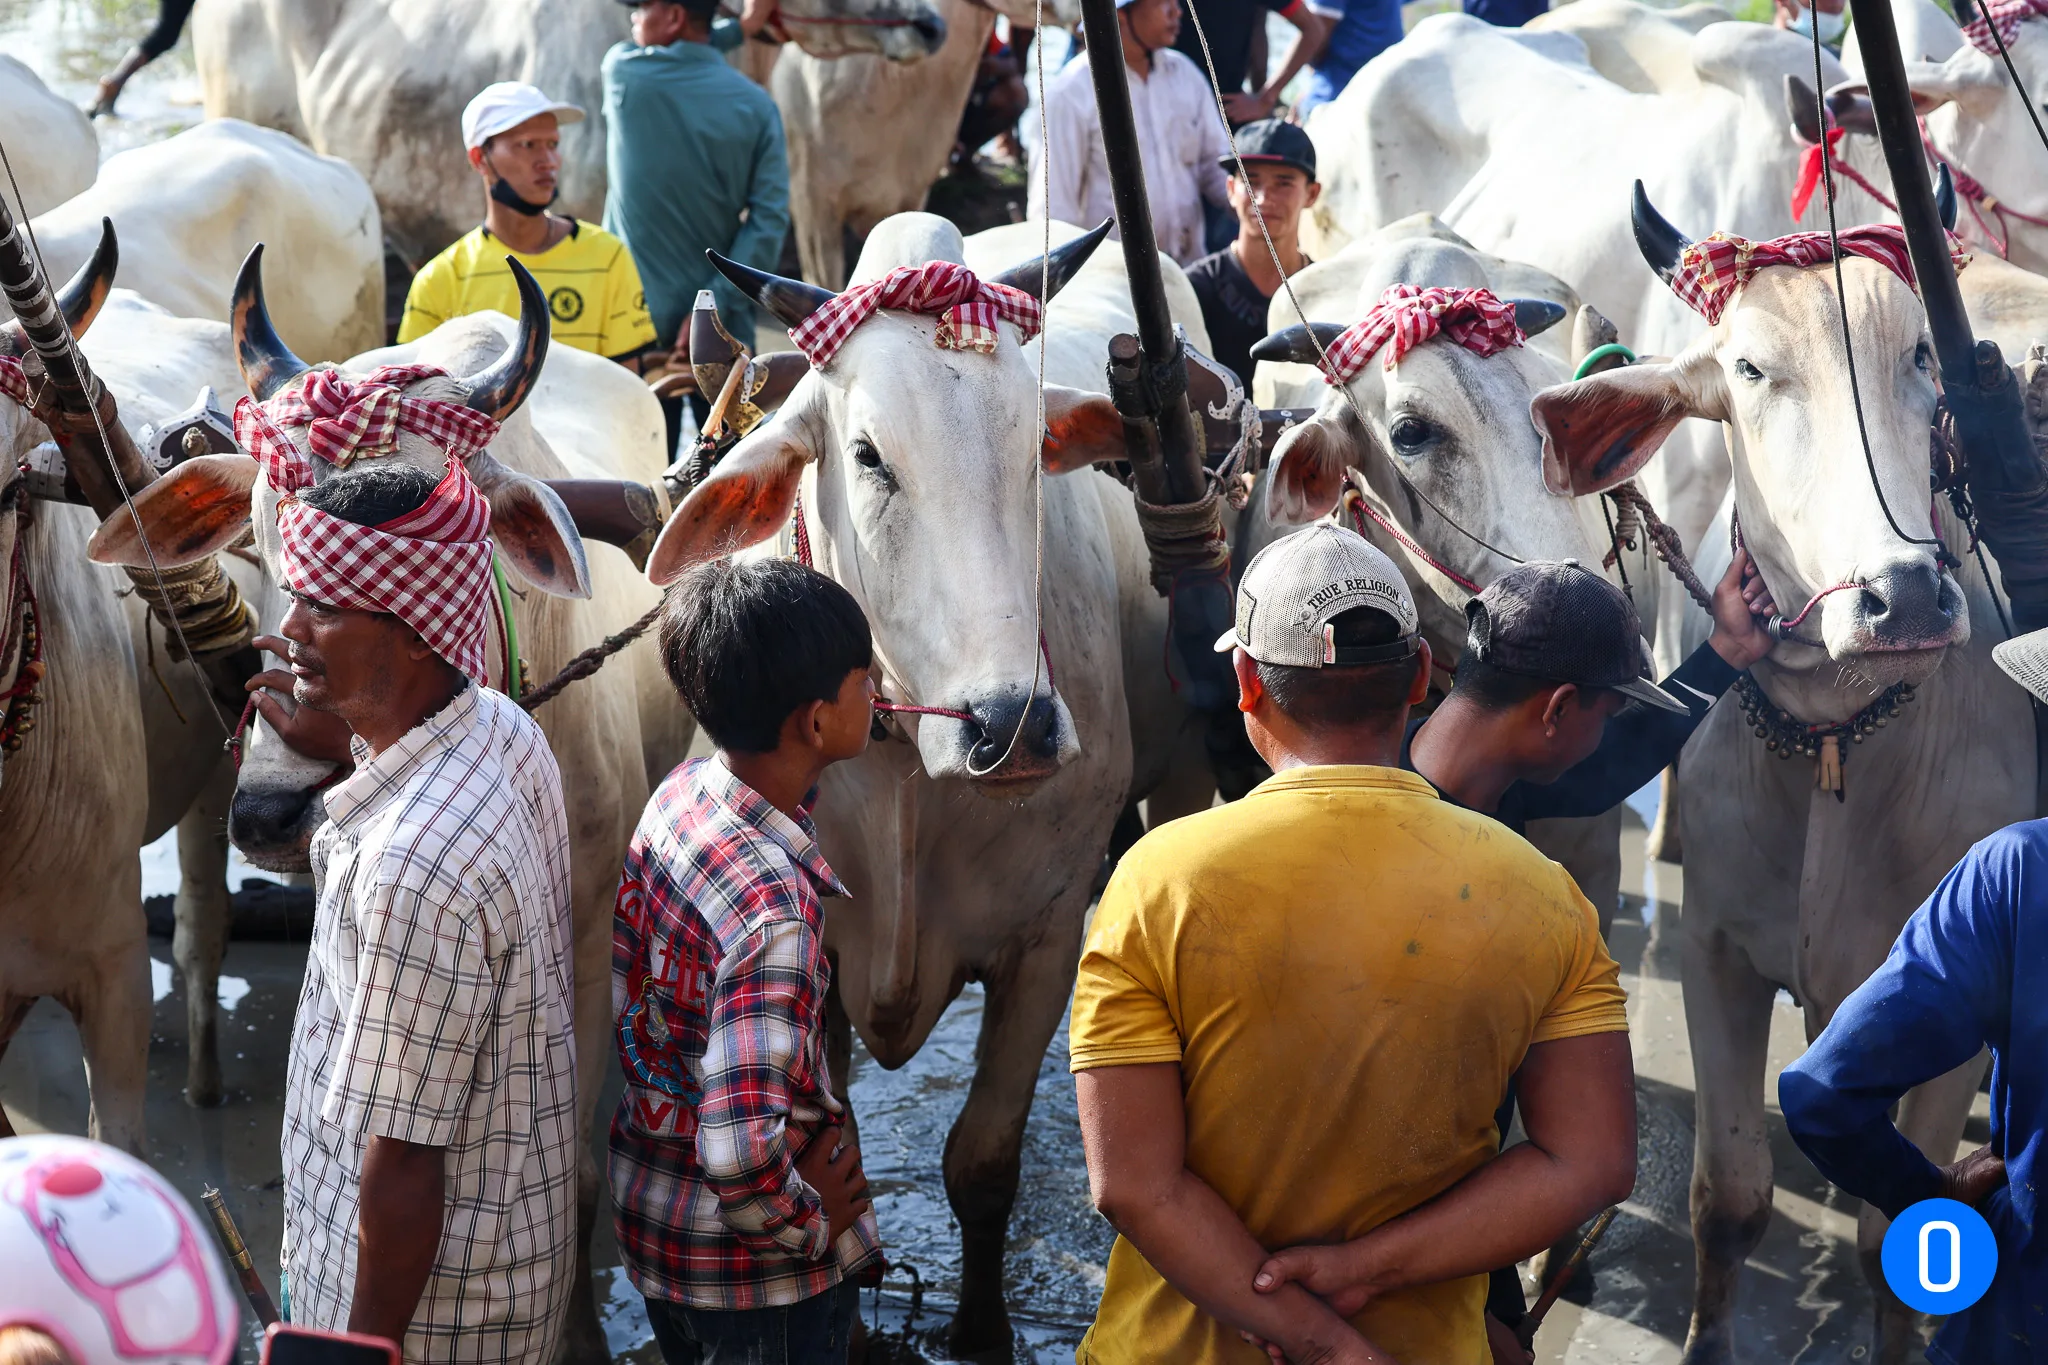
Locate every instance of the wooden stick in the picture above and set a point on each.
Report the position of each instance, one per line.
(238, 1253)
(1526, 1334)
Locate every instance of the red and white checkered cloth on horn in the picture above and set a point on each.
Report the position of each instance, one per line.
(345, 418)
(1711, 272)
(1408, 315)
(2007, 14)
(431, 567)
(967, 309)
(13, 380)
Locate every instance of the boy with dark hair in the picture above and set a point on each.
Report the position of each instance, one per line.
(741, 1208)
(1295, 1015)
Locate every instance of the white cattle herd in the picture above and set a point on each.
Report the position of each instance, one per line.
(1466, 156)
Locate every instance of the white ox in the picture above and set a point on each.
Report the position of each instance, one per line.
(50, 141)
(110, 764)
(565, 599)
(970, 846)
(189, 208)
(1452, 427)
(382, 84)
(868, 137)
(1976, 120)
(1799, 889)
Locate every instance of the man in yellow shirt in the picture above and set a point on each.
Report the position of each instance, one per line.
(512, 132)
(1296, 1015)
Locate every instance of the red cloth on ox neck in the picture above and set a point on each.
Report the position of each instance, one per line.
(345, 418)
(1713, 271)
(966, 307)
(431, 568)
(2007, 14)
(1407, 316)
(13, 380)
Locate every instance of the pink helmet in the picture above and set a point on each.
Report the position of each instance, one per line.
(99, 1252)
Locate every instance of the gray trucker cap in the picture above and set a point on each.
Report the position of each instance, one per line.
(1296, 586)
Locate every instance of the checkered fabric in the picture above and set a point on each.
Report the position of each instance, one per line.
(1407, 316)
(431, 568)
(718, 988)
(13, 380)
(2007, 14)
(437, 1009)
(1711, 272)
(967, 309)
(346, 418)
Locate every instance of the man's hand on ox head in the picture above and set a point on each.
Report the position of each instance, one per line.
(1741, 604)
(315, 734)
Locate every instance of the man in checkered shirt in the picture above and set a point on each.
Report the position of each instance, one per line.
(430, 1106)
(741, 1209)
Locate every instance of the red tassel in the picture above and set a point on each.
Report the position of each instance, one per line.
(1809, 173)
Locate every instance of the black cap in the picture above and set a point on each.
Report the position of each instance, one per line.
(1272, 140)
(1563, 623)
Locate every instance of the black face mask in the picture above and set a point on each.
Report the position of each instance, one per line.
(503, 193)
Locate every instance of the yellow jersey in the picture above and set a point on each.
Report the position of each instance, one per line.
(592, 287)
(1348, 970)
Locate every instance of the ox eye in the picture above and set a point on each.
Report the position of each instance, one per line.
(1749, 372)
(865, 455)
(1923, 358)
(1410, 433)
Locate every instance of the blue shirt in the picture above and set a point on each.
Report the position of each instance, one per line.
(1359, 31)
(695, 157)
(1970, 969)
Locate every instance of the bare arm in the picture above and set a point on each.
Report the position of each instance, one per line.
(1134, 1129)
(1577, 1097)
(399, 1230)
(1311, 32)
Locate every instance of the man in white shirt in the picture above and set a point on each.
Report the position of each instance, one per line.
(1180, 136)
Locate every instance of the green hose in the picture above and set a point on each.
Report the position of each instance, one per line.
(1600, 353)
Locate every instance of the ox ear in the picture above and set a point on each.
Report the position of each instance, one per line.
(532, 528)
(1601, 430)
(1081, 429)
(1968, 79)
(196, 508)
(1308, 474)
(746, 499)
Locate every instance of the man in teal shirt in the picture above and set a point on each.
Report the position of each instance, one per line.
(695, 156)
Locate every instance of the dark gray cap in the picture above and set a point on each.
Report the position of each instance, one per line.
(1271, 140)
(1563, 623)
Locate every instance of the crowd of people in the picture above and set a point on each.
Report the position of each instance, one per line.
(1305, 1023)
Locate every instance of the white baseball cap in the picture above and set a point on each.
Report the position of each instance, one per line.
(1298, 585)
(504, 106)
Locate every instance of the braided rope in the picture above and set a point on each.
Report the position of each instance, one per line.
(1663, 540)
(588, 662)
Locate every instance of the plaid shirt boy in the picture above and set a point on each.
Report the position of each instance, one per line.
(718, 989)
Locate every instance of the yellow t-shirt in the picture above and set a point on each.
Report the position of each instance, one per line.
(1348, 970)
(592, 286)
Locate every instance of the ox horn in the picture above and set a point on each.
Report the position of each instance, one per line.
(1945, 197)
(1065, 263)
(1534, 316)
(267, 363)
(791, 301)
(80, 299)
(1299, 345)
(499, 388)
(1660, 243)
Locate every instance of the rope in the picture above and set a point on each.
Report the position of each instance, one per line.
(1664, 541)
(586, 663)
(1360, 509)
(113, 465)
(1322, 352)
(205, 603)
(1182, 537)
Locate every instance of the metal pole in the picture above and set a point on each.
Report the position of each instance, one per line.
(1975, 380)
(1165, 369)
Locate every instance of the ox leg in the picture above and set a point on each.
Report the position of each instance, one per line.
(1932, 1117)
(112, 1007)
(1664, 844)
(1022, 1009)
(1728, 1019)
(200, 939)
